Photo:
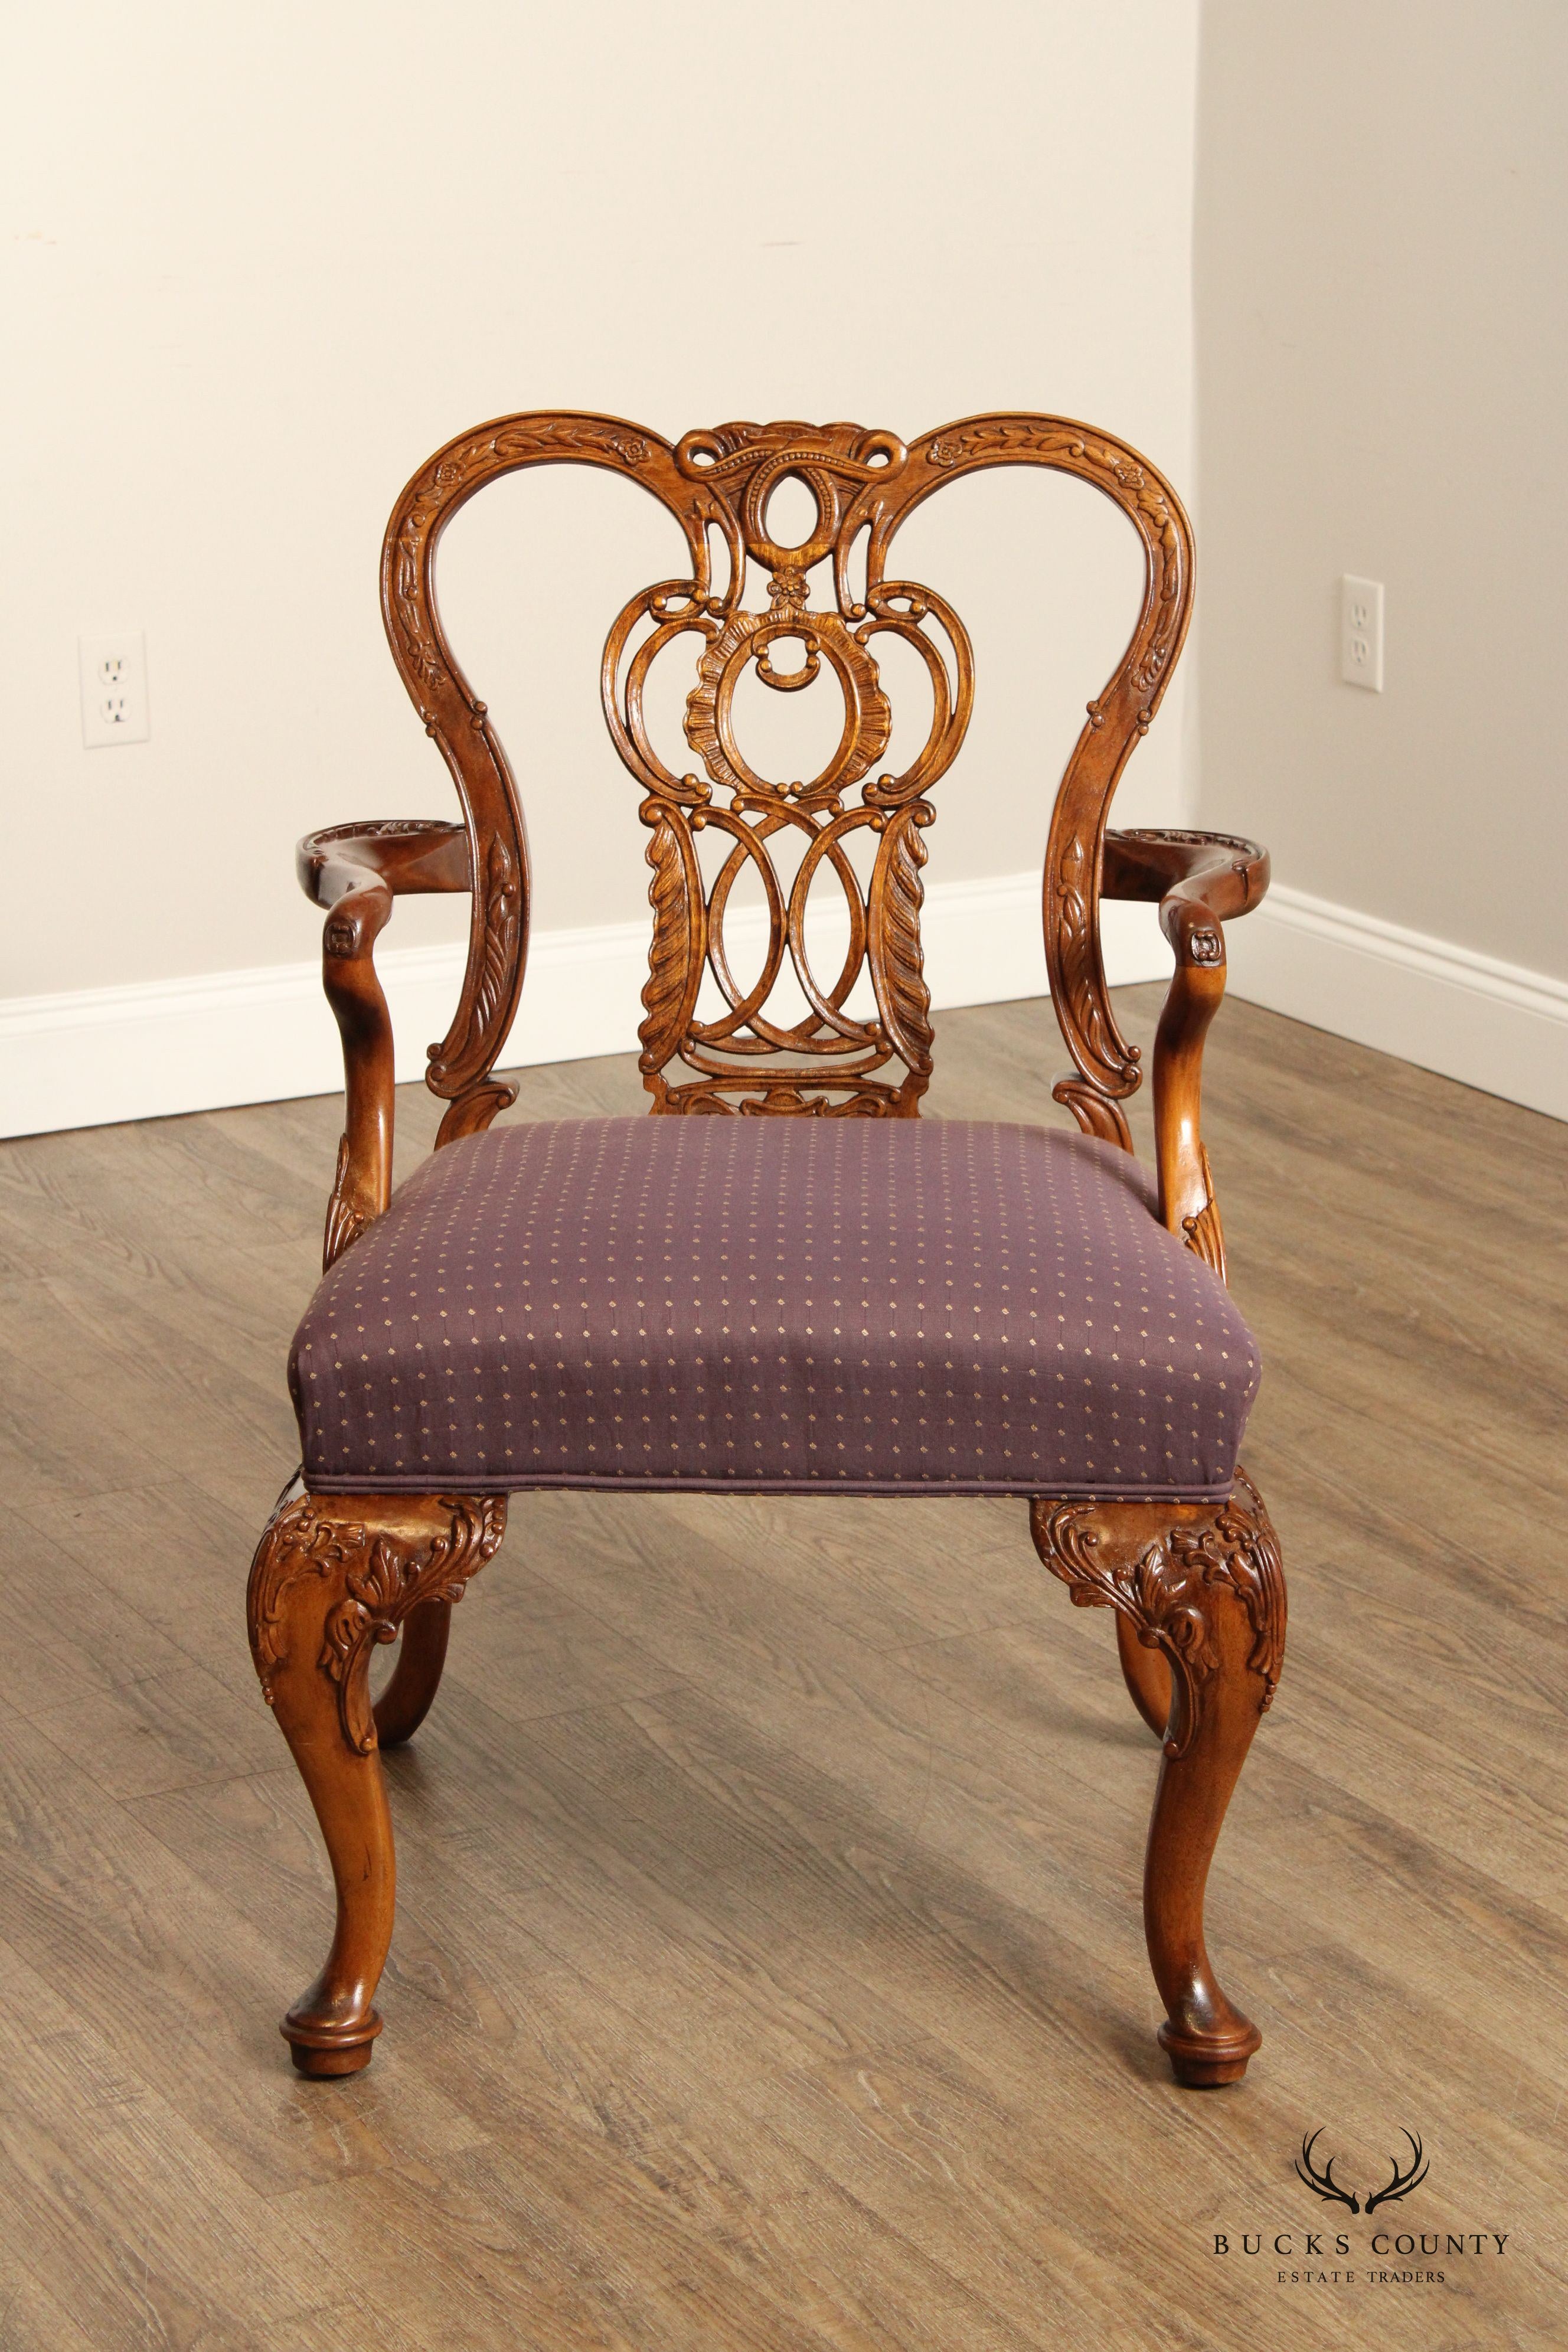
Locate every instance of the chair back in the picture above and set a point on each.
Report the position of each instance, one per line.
(854, 828)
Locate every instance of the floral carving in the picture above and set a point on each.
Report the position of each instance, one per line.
(1164, 1585)
(1050, 441)
(375, 1575)
(523, 440)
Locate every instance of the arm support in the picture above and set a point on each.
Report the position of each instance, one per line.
(356, 871)
(1200, 880)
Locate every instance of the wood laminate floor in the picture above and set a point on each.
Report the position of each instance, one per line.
(768, 1973)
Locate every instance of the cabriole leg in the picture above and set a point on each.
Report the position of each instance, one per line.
(1208, 2041)
(1144, 1670)
(334, 1575)
(417, 1676)
(1202, 1584)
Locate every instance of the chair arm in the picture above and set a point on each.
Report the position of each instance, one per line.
(356, 871)
(1202, 880)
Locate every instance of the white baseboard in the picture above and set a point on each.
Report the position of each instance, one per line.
(1490, 1024)
(151, 1049)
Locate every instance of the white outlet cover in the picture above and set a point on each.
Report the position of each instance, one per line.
(1361, 632)
(114, 690)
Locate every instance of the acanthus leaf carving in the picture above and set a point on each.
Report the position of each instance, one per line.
(1205, 1236)
(300, 1540)
(388, 1579)
(423, 1548)
(499, 918)
(675, 956)
(1161, 1583)
(897, 967)
(345, 1218)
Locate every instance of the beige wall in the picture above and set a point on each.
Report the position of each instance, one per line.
(261, 260)
(1382, 225)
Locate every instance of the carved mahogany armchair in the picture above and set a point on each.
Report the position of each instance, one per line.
(785, 1282)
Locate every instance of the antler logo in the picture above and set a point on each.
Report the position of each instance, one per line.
(1324, 2184)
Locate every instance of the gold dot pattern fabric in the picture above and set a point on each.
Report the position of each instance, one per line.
(774, 1304)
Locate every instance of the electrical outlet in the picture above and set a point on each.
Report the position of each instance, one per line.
(113, 689)
(1361, 632)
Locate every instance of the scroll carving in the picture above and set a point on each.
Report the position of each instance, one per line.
(474, 1108)
(792, 837)
(300, 1540)
(424, 1549)
(1097, 1114)
(1116, 1556)
(712, 1040)
(389, 1581)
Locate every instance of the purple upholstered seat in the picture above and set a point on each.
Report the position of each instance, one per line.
(770, 1305)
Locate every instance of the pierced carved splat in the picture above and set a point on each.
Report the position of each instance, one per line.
(714, 1038)
(741, 1055)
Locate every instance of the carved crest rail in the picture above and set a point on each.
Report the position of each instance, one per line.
(719, 485)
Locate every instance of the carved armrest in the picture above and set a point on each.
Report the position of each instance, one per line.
(1200, 880)
(356, 871)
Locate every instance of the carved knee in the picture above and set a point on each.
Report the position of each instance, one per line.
(334, 1575)
(1171, 1570)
